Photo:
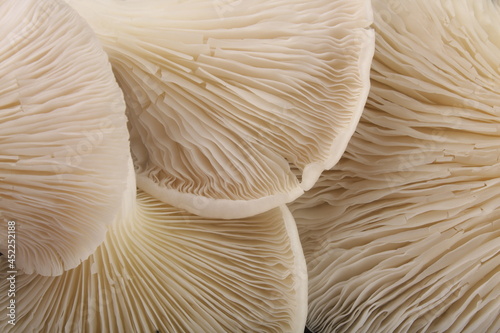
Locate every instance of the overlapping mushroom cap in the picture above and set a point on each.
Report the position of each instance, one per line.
(167, 270)
(63, 136)
(224, 96)
(403, 235)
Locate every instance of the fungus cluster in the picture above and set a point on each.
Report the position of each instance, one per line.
(403, 234)
(221, 105)
(161, 268)
(244, 166)
(64, 143)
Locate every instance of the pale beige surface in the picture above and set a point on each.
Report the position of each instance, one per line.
(63, 136)
(224, 96)
(403, 235)
(164, 269)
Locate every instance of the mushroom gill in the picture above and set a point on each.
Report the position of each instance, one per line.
(163, 269)
(64, 143)
(403, 235)
(223, 98)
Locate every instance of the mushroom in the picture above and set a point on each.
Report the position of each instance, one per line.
(64, 143)
(403, 234)
(223, 98)
(162, 269)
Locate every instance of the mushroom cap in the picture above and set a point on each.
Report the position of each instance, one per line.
(64, 143)
(223, 97)
(167, 270)
(403, 234)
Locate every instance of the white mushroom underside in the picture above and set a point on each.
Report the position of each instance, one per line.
(222, 98)
(403, 235)
(63, 136)
(167, 270)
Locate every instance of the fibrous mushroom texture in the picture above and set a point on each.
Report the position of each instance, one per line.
(63, 136)
(403, 235)
(223, 96)
(163, 269)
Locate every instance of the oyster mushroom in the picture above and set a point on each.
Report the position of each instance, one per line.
(64, 143)
(222, 100)
(163, 269)
(403, 234)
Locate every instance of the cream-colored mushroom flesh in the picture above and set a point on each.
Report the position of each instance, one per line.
(64, 143)
(223, 96)
(403, 235)
(167, 270)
